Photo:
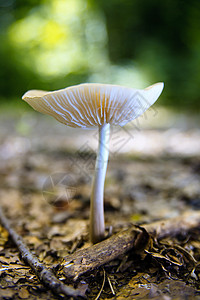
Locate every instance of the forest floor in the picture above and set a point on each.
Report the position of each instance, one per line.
(45, 180)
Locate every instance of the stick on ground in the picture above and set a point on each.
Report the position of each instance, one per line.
(44, 274)
(97, 255)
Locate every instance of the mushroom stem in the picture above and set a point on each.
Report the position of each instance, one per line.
(97, 224)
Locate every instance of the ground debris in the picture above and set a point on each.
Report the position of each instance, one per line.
(165, 290)
(166, 271)
(140, 189)
(44, 274)
(137, 239)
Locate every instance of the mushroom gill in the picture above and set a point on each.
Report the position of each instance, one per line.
(88, 105)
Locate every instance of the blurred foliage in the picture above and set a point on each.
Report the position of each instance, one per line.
(51, 44)
(163, 37)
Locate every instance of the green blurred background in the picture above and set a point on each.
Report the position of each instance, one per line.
(51, 44)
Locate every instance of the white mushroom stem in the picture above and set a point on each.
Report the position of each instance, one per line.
(97, 224)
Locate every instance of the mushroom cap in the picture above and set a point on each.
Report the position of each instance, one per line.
(89, 105)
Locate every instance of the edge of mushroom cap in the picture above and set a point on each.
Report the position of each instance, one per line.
(145, 97)
(41, 93)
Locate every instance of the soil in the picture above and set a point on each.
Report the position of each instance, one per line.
(45, 182)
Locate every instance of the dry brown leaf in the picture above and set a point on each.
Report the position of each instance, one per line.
(23, 293)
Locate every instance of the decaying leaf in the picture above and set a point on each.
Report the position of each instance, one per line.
(139, 188)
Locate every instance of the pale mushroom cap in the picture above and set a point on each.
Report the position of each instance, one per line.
(90, 104)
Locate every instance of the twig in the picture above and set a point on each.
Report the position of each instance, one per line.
(44, 274)
(93, 257)
(97, 255)
(174, 226)
(110, 284)
(104, 279)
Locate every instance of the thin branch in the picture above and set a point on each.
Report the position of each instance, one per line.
(136, 238)
(99, 254)
(110, 284)
(104, 279)
(44, 274)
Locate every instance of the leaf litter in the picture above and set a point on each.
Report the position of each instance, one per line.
(138, 190)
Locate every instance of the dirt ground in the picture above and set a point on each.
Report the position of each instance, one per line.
(45, 181)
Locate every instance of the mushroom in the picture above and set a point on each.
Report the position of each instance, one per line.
(93, 105)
